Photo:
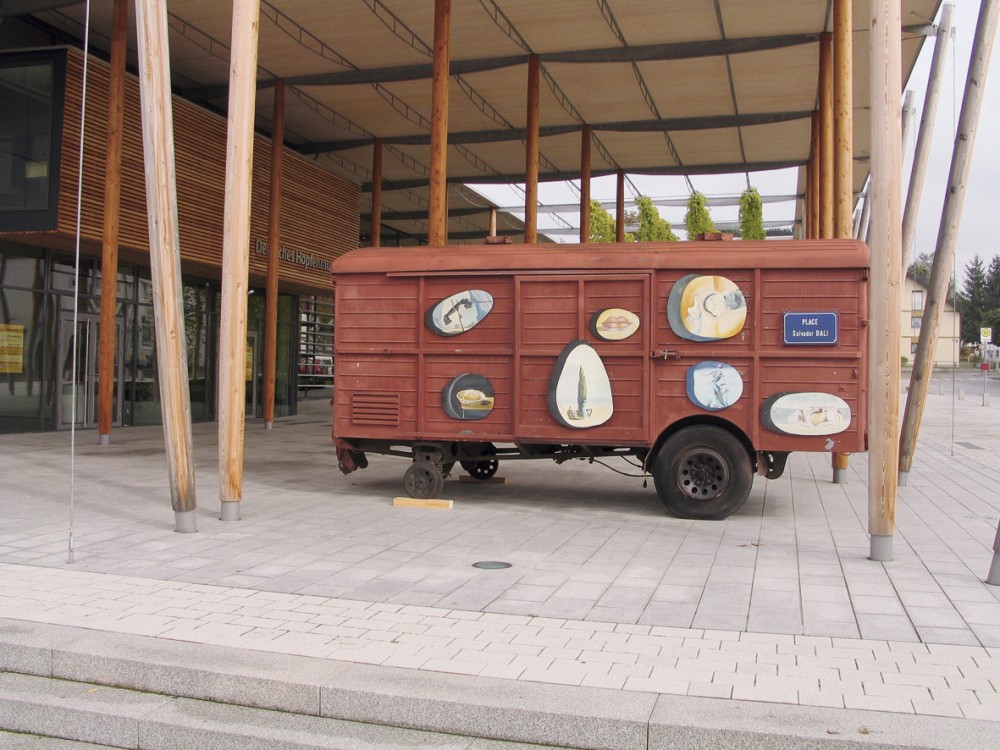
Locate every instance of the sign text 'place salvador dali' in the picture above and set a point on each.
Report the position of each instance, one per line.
(706, 308)
(459, 312)
(806, 414)
(713, 385)
(579, 392)
(469, 396)
(810, 328)
(614, 324)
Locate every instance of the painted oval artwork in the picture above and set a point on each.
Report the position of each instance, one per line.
(806, 414)
(706, 308)
(459, 312)
(469, 396)
(579, 389)
(614, 324)
(713, 385)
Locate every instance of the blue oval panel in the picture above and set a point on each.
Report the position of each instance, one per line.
(713, 385)
(459, 313)
(469, 396)
(579, 389)
(806, 414)
(706, 308)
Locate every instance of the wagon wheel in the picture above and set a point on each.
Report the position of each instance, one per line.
(482, 470)
(423, 480)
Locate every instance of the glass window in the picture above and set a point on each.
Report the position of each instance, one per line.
(30, 135)
(917, 301)
(24, 397)
(916, 322)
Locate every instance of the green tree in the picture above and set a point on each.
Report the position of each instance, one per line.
(697, 219)
(602, 224)
(652, 228)
(993, 284)
(973, 299)
(751, 215)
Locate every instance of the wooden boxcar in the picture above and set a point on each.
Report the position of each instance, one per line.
(702, 361)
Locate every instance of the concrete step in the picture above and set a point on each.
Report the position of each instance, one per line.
(12, 741)
(149, 693)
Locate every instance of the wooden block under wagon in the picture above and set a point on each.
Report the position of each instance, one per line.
(491, 480)
(415, 502)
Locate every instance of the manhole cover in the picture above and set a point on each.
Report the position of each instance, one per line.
(491, 565)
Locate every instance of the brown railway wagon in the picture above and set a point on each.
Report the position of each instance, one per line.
(704, 361)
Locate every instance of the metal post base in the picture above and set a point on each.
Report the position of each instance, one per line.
(230, 511)
(986, 399)
(840, 476)
(993, 579)
(185, 521)
(104, 440)
(268, 425)
(881, 548)
(903, 476)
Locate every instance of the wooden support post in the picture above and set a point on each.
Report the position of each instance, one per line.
(493, 221)
(236, 254)
(826, 163)
(273, 246)
(843, 148)
(951, 216)
(531, 154)
(165, 256)
(886, 243)
(620, 207)
(814, 182)
(925, 134)
(109, 238)
(376, 213)
(585, 139)
(437, 220)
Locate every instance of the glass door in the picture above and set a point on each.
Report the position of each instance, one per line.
(79, 344)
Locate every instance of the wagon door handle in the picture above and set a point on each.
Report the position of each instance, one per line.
(665, 354)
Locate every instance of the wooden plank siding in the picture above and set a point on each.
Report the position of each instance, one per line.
(320, 210)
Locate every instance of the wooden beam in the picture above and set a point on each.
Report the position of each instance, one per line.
(886, 244)
(620, 206)
(376, 213)
(947, 239)
(107, 345)
(585, 141)
(236, 255)
(273, 247)
(164, 255)
(826, 162)
(438, 209)
(531, 154)
(493, 222)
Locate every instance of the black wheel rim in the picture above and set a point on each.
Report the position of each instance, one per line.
(485, 469)
(703, 474)
(421, 482)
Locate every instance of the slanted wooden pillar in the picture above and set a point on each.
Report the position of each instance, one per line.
(886, 245)
(236, 254)
(493, 221)
(826, 164)
(376, 213)
(531, 154)
(843, 150)
(437, 220)
(165, 256)
(620, 207)
(107, 345)
(585, 138)
(273, 245)
(813, 178)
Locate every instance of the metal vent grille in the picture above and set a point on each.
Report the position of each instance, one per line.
(375, 408)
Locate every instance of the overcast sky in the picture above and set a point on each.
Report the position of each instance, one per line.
(982, 200)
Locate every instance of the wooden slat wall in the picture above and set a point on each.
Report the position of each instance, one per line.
(320, 210)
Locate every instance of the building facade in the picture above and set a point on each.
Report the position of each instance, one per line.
(914, 299)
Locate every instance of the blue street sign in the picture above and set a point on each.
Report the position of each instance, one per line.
(811, 328)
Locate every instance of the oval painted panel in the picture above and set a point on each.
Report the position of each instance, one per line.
(614, 324)
(579, 390)
(806, 414)
(469, 396)
(713, 385)
(459, 312)
(706, 308)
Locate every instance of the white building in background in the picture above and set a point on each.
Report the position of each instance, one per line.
(914, 300)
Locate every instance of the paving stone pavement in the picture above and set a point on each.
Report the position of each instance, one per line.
(778, 603)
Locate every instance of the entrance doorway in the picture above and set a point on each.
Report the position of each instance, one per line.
(82, 341)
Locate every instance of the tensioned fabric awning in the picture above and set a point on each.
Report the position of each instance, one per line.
(668, 87)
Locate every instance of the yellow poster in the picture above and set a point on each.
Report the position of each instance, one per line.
(248, 362)
(11, 348)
